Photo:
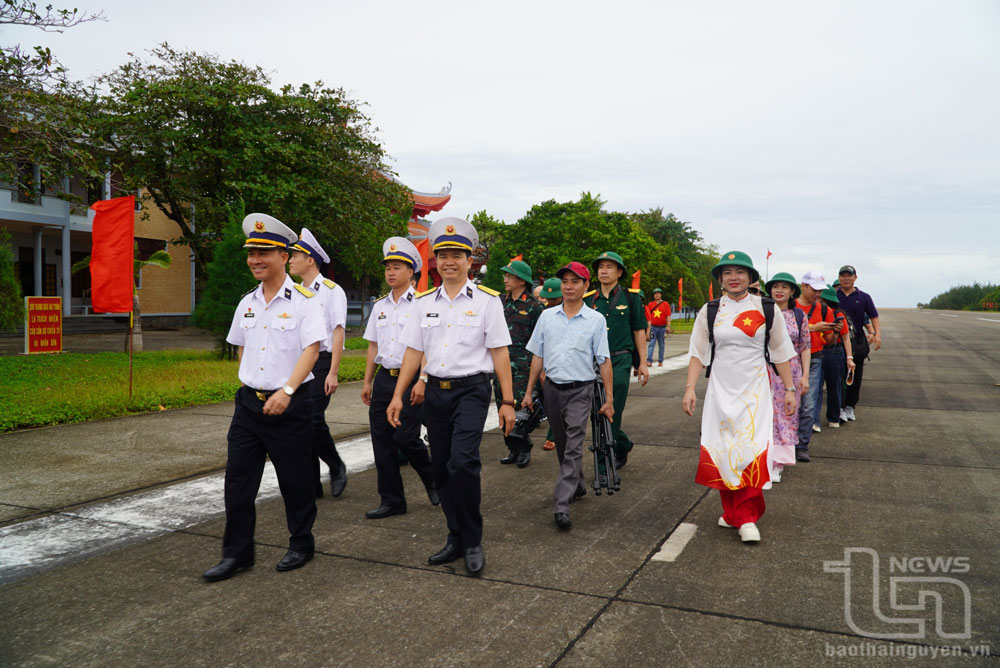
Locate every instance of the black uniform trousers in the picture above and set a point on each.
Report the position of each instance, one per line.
(322, 440)
(388, 440)
(284, 438)
(455, 420)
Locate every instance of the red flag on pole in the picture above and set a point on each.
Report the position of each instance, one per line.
(680, 294)
(769, 254)
(635, 280)
(423, 247)
(111, 256)
(710, 297)
(517, 258)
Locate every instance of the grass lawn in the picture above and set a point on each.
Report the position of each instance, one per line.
(682, 326)
(73, 387)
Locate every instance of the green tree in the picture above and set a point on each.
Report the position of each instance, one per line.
(695, 258)
(44, 117)
(554, 233)
(962, 297)
(227, 280)
(11, 300)
(490, 230)
(199, 133)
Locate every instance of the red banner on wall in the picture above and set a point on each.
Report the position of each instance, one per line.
(111, 258)
(42, 325)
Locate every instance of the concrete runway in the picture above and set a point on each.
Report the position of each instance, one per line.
(910, 489)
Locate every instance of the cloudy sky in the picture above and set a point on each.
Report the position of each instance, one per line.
(862, 132)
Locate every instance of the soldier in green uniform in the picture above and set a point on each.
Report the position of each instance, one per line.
(521, 310)
(623, 310)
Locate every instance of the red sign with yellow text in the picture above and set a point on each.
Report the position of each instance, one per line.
(42, 325)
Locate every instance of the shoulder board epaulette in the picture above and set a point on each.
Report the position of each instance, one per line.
(635, 290)
(588, 294)
(425, 293)
(249, 291)
(489, 291)
(306, 291)
(378, 299)
(328, 283)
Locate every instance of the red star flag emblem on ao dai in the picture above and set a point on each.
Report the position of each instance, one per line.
(749, 322)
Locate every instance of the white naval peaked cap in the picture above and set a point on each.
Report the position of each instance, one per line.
(264, 231)
(308, 245)
(398, 248)
(453, 233)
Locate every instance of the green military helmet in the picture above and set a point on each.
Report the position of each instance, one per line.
(608, 255)
(784, 277)
(520, 269)
(551, 289)
(830, 294)
(642, 294)
(655, 290)
(735, 259)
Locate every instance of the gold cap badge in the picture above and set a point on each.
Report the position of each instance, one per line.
(259, 226)
(392, 247)
(450, 229)
(732, 257)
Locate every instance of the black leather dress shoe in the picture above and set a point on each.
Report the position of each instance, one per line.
(226, 569)
(445, 555)
(475, 560)
(511, 458)
(621, 460)
(580, 492)
(562, 520)
(432, 496)
(523, 458)
(338, 480)
(293, 560)
(384, 511)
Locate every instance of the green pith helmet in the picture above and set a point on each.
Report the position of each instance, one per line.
(608, 255)
(735, 259)
(830, 294)
(784, 277)
(642, 294)
(551, 289)
(519, 269)
(655, 290)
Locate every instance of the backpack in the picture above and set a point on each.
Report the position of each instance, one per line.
(768, 304)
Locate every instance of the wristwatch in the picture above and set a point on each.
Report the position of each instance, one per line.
(288, 389)
(508, 402)
(789, 389)
(424, 378)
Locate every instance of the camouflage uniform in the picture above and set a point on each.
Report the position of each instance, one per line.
(521, 315)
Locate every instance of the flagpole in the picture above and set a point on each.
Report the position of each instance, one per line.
(131, 330)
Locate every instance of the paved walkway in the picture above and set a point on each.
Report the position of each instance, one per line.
(914, 483)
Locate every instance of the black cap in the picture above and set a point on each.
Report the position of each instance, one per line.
(848, 269)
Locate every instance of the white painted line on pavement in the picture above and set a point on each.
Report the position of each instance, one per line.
(669, 364)
(42, 543)
(676, 542)
(948, 315)
(988, 319)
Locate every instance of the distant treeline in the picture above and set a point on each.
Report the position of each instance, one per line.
(973, 297)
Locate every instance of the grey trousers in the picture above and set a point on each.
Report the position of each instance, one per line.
(569, 412)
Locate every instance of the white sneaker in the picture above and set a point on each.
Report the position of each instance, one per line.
(749, 533)
(816, 428)
(725, 525)
(849, 413)
(776, 475)
(843, 415)
(833, 425)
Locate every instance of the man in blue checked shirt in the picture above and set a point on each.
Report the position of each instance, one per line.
(566, 341)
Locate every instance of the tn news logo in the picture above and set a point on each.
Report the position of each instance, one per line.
(932, 591)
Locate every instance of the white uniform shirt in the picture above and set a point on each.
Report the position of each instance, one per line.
(385, 328)
(274, 335)
(333, 303)
(456, 335)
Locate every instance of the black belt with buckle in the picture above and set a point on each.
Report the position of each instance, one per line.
(617, 353)
(452, 383)
(570, 386)
(392, 372)
(262, 394)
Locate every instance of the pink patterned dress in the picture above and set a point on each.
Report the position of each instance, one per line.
(786, 427)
